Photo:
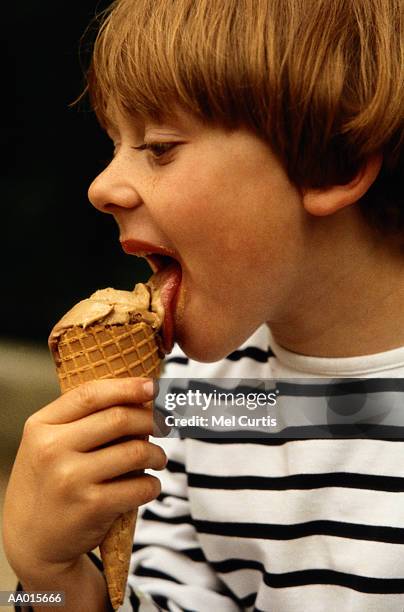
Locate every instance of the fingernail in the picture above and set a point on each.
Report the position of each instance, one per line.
(150, 388)
(160, 428)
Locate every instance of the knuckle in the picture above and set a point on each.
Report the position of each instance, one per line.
(140, 453)
(134, 383)
(130, 385)
(66, 478)
(86, 394)
(94, 498)
(119, 418)
(148, 419)
(47, 448)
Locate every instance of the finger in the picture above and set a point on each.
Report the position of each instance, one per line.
(126, 494)
(97, 395)
(107, 425)
(119, 459)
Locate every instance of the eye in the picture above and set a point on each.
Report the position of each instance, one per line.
(157, 149)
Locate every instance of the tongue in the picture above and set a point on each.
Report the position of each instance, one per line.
(167, 282)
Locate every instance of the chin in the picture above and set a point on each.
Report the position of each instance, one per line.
(213, 338)
(199, 350)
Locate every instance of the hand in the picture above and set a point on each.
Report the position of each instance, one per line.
(66, 488)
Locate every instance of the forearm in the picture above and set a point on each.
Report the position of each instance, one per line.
(83, 584)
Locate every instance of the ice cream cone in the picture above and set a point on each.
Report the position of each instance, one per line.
(114, 334)
(109, 351)
(106, 351)
(116, 550)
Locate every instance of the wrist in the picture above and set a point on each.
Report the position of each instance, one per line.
(38, 575)
(81, 581)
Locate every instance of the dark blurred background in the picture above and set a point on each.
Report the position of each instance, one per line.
(55, 248)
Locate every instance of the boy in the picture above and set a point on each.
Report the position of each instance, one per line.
(259, 146)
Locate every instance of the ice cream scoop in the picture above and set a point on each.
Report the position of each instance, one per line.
(111, 334)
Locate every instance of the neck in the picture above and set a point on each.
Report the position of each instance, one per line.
(351, 298)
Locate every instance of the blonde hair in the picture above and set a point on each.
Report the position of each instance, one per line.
(322, 81)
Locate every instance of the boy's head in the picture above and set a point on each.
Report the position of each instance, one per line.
(322, 81)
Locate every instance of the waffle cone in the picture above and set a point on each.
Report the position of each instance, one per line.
(109, 351)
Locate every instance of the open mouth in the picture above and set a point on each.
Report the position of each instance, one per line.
(158, 262)
(157, 257)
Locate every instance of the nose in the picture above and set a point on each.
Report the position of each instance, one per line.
(114, 189)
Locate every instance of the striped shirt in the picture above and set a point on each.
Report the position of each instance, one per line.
(275, 524)
(280, 525)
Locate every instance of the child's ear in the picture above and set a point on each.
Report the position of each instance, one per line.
(327, 200)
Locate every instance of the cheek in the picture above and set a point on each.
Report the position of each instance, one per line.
(231, 220)
(193, 207)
